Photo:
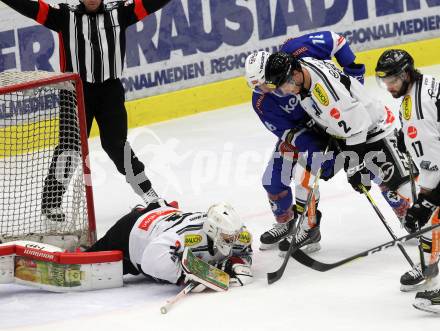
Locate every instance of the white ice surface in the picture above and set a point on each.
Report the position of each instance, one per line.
(218, 156)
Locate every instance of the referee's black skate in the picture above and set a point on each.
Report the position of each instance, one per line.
(54, 219)
(428, 301)
(54, 214)
(278, 232)
(415, 279)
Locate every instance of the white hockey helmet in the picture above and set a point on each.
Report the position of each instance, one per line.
(223, 226)
(255, 65)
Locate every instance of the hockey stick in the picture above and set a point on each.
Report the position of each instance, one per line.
(274, 276)
(384, 222)
(306, 260)
(414, 196)
(166, 307)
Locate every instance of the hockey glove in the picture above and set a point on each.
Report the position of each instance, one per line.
(238, 270)
(420, 212)
(357, 173)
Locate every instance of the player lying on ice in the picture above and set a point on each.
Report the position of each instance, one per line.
(420, 115)
(152, 240)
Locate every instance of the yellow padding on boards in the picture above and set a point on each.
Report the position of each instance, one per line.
(235, 91)
(26, 139)
(424, 52)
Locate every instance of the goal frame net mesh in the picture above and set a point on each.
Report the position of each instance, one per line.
(45, 181)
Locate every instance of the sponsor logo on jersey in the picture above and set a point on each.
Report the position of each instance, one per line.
(192, 239)
(412, 132)
(150, 218)
(299, 51)
(321, 95)
(245, 237)
(406, 107)
(335, 113)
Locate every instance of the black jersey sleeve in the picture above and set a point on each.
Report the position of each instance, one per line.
(45, 14)
(132, 11)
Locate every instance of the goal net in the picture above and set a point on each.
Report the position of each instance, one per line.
(45, 187)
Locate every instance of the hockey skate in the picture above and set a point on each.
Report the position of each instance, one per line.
(55, 214)
(271, 237)
(306, 239)
(278, 232)
(428, 301)
(415, 279)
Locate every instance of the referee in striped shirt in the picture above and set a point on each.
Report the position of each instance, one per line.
(92, 43)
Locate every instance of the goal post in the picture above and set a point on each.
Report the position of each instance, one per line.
(45, 181)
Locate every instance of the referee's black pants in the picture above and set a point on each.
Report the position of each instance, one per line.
(104, 102)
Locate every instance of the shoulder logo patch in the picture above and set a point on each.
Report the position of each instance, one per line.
(192, 239)
(406, 107)
(320, 94)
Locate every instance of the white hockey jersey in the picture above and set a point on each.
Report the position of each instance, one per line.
(343, 106)
(420, 116)
(160, 235)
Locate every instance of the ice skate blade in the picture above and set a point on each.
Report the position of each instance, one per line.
(308, 249)
(425, 305)
(266, 247)
(429, 284)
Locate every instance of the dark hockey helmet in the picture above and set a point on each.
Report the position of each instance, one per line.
(392, 62)
(279, 68)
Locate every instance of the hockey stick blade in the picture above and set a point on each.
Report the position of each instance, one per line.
(274, 276)
(166, 307)
(306, 260)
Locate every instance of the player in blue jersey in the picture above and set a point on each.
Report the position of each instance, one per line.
(284, 117)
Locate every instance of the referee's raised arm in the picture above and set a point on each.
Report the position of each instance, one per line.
(135, 10)
(45, 14)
